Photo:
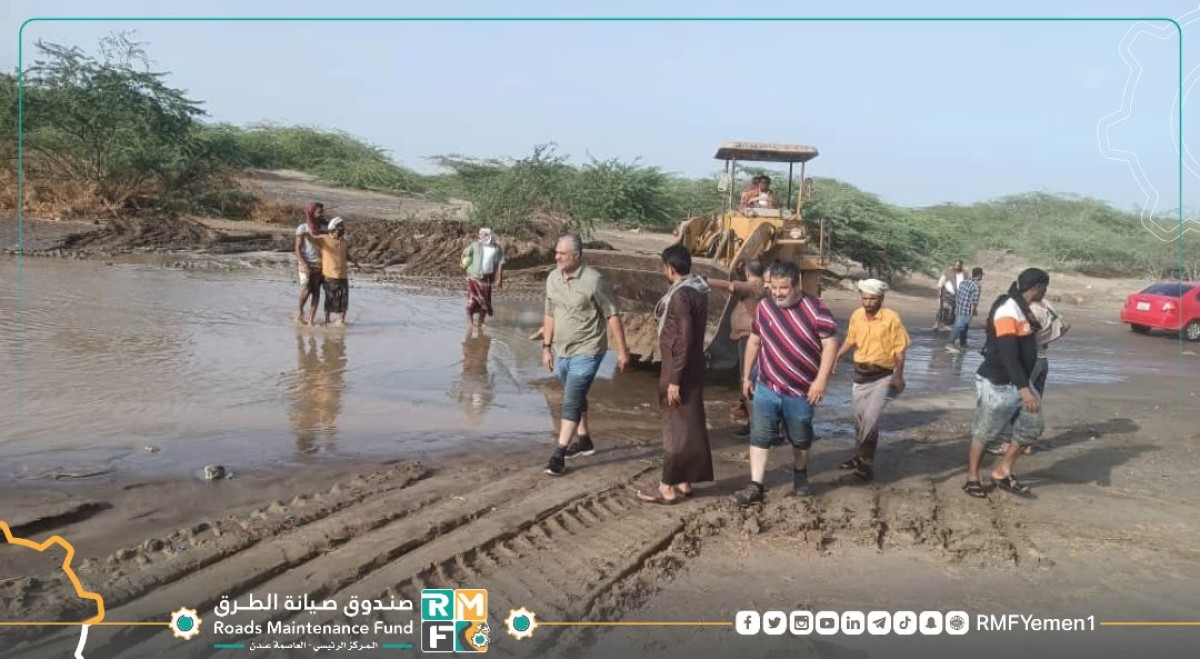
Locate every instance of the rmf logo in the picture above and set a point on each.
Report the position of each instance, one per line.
(454, 620)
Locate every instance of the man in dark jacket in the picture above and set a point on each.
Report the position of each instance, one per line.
(1002, 383)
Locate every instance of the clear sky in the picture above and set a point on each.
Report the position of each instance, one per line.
(919, 113)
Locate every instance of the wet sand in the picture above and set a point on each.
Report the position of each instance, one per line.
(412, 495)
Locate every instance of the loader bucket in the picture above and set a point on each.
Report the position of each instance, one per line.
(638, 282)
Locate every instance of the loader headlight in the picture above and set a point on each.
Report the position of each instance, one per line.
(796, 233)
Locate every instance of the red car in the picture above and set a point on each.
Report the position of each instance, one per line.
(1166, 305)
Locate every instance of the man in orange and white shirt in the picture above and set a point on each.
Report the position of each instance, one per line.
(1003, 384)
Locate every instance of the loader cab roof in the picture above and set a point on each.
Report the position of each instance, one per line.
(763, 152)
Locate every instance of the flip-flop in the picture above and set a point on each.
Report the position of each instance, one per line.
(852, 463)
(655, 497)
(975, 489)
(1011, 485)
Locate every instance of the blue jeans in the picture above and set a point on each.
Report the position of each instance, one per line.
(577, 374)
(769, 409)
(959, 335)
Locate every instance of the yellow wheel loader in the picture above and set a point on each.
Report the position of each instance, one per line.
(751, 225)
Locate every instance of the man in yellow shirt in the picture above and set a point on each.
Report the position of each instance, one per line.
(879, 341)
(335, 254)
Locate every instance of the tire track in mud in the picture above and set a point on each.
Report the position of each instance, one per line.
(910, 515)
(913, 515)
(579, 561)
(375, 563)
(963, 530)
(561, 566)
(161, 565)
(579, 548)
(569, 523)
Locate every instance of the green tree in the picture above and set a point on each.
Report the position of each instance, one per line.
(8, 119)
(111, 122)
(614, 192)
(885, 239)
(507, 195)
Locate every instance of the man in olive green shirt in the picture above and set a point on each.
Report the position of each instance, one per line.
(580, 312)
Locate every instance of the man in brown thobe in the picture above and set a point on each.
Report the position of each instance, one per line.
(682, 316)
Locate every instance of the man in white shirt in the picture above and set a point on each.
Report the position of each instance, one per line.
(308, 262)
(947, 293)
(484, 262)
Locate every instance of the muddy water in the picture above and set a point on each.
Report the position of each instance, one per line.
(149, 369)
(124, 369)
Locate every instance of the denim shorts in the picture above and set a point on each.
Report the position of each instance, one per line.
(769, 408)
(577, 374)
(996, 407)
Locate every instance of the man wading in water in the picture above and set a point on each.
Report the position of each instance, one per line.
(947, 290)
(335, 254)
(484, 261)
(308, 260)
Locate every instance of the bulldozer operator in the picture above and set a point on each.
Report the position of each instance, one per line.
(758, 194)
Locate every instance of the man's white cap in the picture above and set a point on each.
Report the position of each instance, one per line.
(872, 287)
(335, 222)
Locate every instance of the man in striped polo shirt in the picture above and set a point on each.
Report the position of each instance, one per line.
(794, 343)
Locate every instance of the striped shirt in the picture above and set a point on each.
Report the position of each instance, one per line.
(789, 356)
(968, 297)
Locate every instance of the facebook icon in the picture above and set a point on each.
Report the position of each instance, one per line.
(747, 623)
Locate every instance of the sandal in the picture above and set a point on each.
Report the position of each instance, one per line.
(685, 494)
(653, 495)
(1012, 485)
(975, 489)
(853, 463)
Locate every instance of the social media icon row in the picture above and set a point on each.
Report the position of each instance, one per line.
(852, 623)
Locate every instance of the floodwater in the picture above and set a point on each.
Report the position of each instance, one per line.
(152, 369)
(139, 369)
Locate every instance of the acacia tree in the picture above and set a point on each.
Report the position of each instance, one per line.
(882, 238)
(8, 121)
(111, 122)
